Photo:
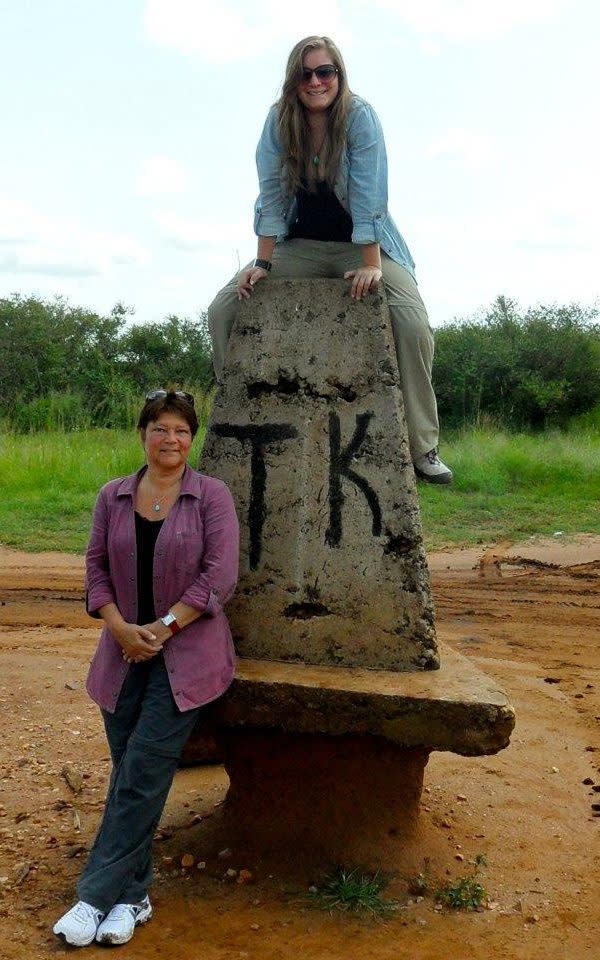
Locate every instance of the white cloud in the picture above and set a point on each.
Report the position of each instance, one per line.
(161, 174)
(220, 247)
(231, 31)
(58, 246)
(467, 20)
(39, 261)
(187, 233)
(477, 150)
(527, 251)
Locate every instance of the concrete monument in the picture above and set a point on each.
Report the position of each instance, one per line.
(340, 694)
(309, 433)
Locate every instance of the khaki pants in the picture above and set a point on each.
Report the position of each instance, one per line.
(413, 338)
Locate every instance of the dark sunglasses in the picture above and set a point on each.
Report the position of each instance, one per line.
(162, 394)
(325, 72)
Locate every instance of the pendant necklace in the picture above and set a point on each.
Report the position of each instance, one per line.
(156, 503)
(316, 159)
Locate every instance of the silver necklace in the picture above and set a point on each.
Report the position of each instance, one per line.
(156, 502)
(156, 506)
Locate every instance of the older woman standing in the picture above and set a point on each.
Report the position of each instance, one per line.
(322, 212)
(162, 561)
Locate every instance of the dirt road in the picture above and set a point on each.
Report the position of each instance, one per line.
(531, 622)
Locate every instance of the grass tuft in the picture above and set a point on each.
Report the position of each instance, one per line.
(350, 891)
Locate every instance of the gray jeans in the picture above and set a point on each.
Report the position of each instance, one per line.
(413, 338)
(146, 735)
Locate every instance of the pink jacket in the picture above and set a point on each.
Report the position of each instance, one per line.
(195, 561)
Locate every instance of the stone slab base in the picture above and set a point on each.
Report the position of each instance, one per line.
(456, 708)
(326, 764)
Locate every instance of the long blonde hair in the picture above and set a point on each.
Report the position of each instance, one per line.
(294, 131)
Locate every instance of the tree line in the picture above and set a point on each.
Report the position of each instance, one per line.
(63, 366)
(532, 369)
(67, 367)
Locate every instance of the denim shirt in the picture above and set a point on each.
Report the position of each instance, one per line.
(195, 561)
(360, 185)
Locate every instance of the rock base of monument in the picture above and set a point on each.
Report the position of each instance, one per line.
(326, 764)
(304, 802)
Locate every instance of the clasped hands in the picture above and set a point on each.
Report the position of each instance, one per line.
(364, 281)
(140, 643)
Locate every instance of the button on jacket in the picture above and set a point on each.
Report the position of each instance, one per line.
(360, 185)
(195, 561)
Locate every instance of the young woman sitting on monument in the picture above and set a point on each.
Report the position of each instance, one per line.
(162, 560)
(322, 212)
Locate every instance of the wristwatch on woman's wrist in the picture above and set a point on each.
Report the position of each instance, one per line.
(170, 622)
(263, 264)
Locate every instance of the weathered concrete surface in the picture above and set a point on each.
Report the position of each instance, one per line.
(308, 431)
(314, 801)
(456, 708)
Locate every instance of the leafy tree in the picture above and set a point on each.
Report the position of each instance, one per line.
(531, 370)
(174, 351)
(66, 366)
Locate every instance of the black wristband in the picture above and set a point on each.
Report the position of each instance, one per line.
(263, 264)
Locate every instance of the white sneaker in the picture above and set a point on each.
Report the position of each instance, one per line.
(429, 467)
(78, 926)
(119, 924)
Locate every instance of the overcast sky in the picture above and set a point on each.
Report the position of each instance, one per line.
(128, 131)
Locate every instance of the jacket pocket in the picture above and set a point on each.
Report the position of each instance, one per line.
(190, 550)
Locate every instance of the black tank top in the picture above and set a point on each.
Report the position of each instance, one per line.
(146, 532)
(320, 215)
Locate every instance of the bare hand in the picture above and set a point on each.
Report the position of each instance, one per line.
(246, 281)
(158, 629)
(364, 281)
(137, 643)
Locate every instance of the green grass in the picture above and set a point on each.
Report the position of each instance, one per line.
(512, 486)
(49, 482)
(506, 486)
(349, 891)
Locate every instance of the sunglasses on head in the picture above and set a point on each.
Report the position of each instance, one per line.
(162, 394)
(325, 72)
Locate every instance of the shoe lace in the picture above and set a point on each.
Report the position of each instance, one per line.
(120, 911)
(85, 911)
(432, 456)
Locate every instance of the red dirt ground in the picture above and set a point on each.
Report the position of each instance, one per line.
(531, 623)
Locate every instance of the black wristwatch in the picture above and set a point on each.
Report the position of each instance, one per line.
(263, 264)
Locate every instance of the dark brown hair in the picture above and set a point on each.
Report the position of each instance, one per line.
(172, 403)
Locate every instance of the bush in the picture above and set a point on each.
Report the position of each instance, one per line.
(55, 412)
(63, 367)
(534, 370)
(588, 422)
(466, 893)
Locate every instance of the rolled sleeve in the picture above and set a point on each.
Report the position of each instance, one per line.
(367, 231)
(98, 585)
(270, 207)
(367, 176)
(211, 590)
